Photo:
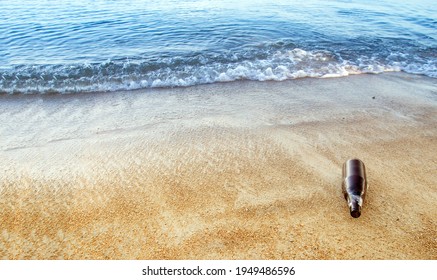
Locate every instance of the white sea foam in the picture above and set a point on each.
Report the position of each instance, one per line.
(182, 72)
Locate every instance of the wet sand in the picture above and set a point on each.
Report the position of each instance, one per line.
(242, 170)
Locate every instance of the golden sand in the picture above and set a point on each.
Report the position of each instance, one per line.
(239, 170)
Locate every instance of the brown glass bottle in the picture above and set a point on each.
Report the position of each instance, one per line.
(354, 185)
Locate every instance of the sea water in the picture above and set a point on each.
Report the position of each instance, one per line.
(50, 46)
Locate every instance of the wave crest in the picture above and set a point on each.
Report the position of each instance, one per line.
(258, 65)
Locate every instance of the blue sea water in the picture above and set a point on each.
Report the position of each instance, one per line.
(50, 46)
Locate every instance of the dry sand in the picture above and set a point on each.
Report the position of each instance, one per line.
(242, 170)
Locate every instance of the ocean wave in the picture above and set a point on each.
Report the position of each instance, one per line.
(257, 64)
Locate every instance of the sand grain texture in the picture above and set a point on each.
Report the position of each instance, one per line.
(240, 170)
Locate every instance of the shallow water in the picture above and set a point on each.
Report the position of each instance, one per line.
(76, 46)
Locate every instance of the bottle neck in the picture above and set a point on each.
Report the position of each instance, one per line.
(355, 202)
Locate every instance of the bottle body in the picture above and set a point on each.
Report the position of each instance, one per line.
(354, 185)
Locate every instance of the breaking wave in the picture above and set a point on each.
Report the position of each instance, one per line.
(268, 64)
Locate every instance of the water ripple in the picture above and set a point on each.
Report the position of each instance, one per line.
(63, 46)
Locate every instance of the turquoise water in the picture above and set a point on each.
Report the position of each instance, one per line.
(76, 46)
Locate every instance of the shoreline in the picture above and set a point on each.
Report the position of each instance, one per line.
(239, 170)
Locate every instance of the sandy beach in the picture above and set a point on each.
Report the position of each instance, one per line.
(240, 170)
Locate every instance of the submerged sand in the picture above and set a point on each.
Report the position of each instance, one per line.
(242, 170)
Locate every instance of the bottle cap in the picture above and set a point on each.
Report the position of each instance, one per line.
(355, 210)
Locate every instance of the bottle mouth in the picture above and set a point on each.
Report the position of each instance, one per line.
(355, 203)
(355, 210)
(355, 213)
